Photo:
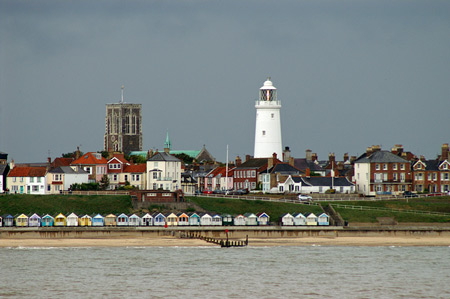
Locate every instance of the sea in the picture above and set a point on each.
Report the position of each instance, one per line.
(213, 272)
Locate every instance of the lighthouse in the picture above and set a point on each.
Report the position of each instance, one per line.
(268, 122)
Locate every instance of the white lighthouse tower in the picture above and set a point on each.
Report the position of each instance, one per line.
(268, 123)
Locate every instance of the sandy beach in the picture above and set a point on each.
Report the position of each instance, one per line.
(253, 242)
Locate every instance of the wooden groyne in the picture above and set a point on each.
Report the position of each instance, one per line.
(221, 242)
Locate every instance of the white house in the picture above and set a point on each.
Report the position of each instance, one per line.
(163, 172)
(30, 180)
(315, 184)
(62, 177)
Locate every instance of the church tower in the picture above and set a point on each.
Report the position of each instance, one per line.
(268, 123)
(123, 127)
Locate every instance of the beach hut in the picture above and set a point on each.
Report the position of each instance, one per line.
(60, 220)
(194, 219)
(85, 220)
(21, 220)
(299, 219)
(227, 219)
(251, 219)
(47, 220)
(72, 220)
(172, 219)
(217, 220)
(147, 220)
(110, 220)
(159, 219)
(263, 218)
(134, 220)
(98, 220)
(287, 219)
(239, 220)
(34, 220)
(123, 220)
(205, 220)
(8, 220)
(323, 219)
(183, 219)
(311, 219)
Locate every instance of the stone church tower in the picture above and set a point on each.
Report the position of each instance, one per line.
(123, 127)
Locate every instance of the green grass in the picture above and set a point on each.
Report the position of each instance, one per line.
(239, 206)
(54, 204)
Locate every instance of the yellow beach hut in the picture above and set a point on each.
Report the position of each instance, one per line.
(21, 220)
(85, 220)
(110, 220)
(60, 220)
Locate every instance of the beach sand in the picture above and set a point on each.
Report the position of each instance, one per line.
(253, 242)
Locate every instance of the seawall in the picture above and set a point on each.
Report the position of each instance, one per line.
(270, 232)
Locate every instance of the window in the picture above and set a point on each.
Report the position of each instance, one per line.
(394, 166)
(38, 180)
(395, 177)
(272, 115)
(385, 167)
(126, 177)
(21, 179)
(402, 166)
(434, 176)
(253, 174)
(402, 177)
(264, 133)
(35, 188)
(31, 179)
(377, 166)
(155, 175)
(115, 177)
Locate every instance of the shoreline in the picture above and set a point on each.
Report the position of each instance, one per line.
(253, 242)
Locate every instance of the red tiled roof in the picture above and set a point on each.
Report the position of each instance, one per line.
(27, 172)
(61, 162)
(119, 157)
(89, 159)
(139, 168)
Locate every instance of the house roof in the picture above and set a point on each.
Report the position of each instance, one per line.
(162, 156)
(90, 158)
(119, 158)
(284, 168)
(61, 162)
(136, 168)
(302, 164)
(253, 163)
(326, 181)
(380, 157)
(68, 170)
(27, 172)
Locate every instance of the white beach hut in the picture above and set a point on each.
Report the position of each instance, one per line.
(239, 220)
(72, 220)
(205, 220)
(299, 219)
(251, 219)
(287, 220)
(134, 220)
(217, 220)
(147, 220)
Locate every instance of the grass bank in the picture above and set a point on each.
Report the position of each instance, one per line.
(53, 204)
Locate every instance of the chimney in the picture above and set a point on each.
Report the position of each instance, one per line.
(352, 159)
(291, 161)
(269, 163)
(12, 165)
(369, 151)
(286, 154)
(314, 157)
(331, 158)
(247, 157)
(345, 157)
(308, 155)
(308, 172)
(422, 158)
(444, 154)
(77, 153)
(376, 148)
(397, 149)
(274, 158)
(238, 161)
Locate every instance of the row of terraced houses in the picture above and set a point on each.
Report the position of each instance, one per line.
(375, 172)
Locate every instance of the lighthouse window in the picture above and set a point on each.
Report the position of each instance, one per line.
(264, 133)
(272, 115)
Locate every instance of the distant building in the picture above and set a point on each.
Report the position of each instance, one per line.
(268, 122)
(432, 176)
(94, 164)
(382, 172)
(163, 172)
(123, 127)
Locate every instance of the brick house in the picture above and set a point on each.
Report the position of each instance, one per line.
(94, 164)
(247, 175)
(432, 176)
(382, 172)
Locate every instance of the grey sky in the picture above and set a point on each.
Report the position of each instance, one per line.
(349, 73)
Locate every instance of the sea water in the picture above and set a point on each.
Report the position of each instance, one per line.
(212, 272)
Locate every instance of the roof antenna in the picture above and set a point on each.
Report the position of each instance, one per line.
(122, 94)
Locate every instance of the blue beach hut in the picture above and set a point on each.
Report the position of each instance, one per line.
(47, 220)
(98, 220)
(159, 219)
(8, 220)
(323, 219)
(34, 220)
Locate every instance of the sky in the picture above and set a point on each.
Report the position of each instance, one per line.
(349, 74)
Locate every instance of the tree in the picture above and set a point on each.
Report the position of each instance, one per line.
(185, 158)
(104, 183)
